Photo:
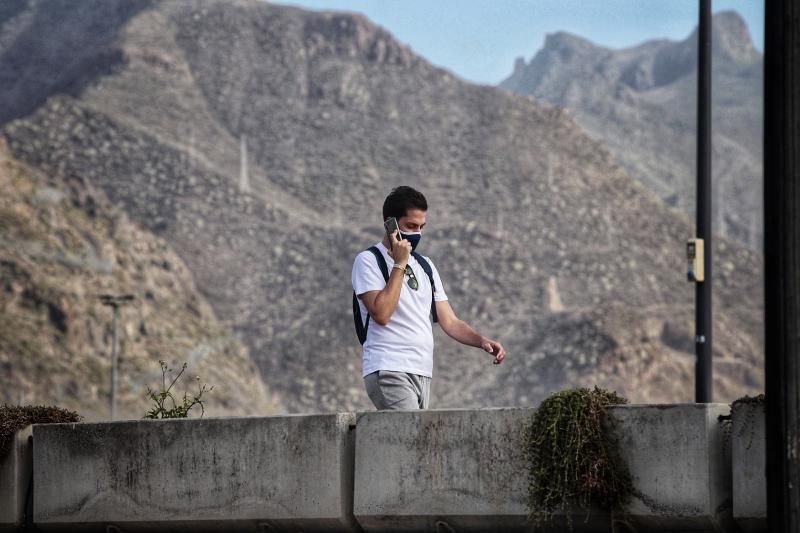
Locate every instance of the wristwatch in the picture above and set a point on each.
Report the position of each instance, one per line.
(399, 267)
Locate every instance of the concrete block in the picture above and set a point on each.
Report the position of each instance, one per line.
(287, 473)
(681, 473)
(15, 479)
(466, 470)
(434, 470)
(749, 457)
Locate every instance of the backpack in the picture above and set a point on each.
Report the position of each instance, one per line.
(361, 329)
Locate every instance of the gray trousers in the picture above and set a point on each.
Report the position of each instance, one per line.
(398, 390)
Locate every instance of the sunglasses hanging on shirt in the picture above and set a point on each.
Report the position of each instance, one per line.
(412, 279)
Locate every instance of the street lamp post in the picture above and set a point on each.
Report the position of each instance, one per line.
(703, 324)
(115, 302)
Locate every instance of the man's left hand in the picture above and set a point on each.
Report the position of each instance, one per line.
(494, 348)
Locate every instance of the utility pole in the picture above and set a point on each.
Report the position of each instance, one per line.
(115, 301)
(703, 389)
(782, 262)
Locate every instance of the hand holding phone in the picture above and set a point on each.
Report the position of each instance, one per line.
(399, 249)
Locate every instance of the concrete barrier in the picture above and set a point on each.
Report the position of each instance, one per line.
(15, 481)
(465, 470)
(681, 473)
(434, 470)
(265, 474)
(749, 456)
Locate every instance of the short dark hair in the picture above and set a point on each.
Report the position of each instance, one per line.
(401, 199)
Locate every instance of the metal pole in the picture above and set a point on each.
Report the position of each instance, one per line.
(782, 262)
(114, 364)
(115, 301)
(703, 327)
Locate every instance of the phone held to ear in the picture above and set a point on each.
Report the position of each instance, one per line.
(391, 226)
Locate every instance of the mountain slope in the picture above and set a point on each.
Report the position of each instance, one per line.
(260, 142)
(61, 245)
(641, 103)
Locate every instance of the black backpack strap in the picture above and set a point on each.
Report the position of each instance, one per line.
(381, 262)
(361, 328)
(429, 271)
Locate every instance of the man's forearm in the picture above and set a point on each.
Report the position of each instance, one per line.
(463, 333)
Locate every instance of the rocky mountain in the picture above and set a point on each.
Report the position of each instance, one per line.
(641, 103)
(61, 245)
(259, 142)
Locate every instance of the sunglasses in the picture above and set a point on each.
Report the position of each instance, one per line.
(412, 279)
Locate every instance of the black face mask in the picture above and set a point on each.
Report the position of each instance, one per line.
(413, 238)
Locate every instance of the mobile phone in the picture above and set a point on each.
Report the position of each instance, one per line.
(391, 226)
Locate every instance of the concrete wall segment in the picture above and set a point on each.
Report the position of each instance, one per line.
(278, 471)
(419, 467)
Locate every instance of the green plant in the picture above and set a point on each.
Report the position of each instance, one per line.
(16, 417)
(574, 456)
(164, 398)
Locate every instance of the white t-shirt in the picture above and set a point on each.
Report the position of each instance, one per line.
(405, 344)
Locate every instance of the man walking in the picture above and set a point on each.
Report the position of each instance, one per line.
(398, 349)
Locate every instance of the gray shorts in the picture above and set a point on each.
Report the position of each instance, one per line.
(398, 390)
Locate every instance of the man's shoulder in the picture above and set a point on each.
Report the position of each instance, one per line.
(367, 253)
(362, 254)
(367, 259)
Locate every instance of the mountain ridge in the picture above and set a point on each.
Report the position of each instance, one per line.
(640, 102)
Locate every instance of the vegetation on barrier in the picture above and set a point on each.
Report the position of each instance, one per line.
(747, 426)
(166, 406)
(574, 457)
(758, 399)
(16, 417)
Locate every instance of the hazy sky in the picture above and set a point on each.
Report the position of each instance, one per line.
(479, 39)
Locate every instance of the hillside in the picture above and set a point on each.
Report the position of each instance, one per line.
(61, 245)
(259, 141)
(641, 103)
